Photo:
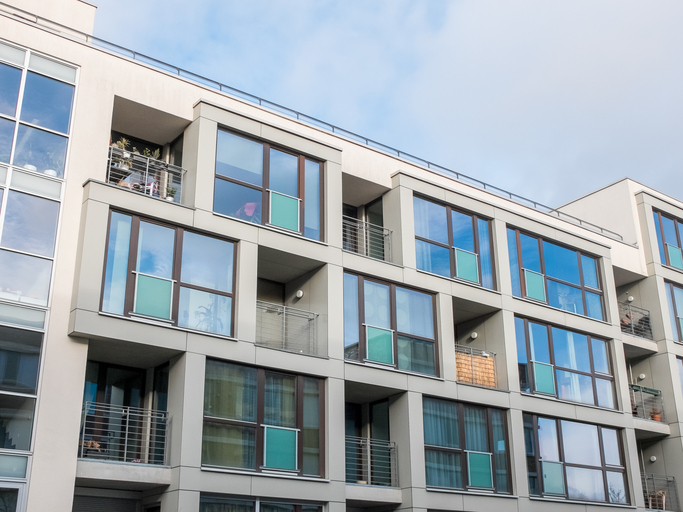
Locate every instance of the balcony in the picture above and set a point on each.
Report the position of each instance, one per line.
(371, 462)
(122, 434)
(144, 174)
(646, 403)
(660, 492)
(366, 239)
(635, 321)
(287, 328)
(475, 366)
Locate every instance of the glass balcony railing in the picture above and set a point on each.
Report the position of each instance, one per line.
(287, 328)
(371, 462)
(122, 434)
(144, 174)
(646, 403)
(475, 366)
(635, 321)
(366, 239)
(660, 492)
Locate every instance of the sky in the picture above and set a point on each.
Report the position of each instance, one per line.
(548, 99)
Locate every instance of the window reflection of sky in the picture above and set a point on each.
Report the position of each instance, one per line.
(239, 158)
(155, 250)
(284, 173)
(580, 443)
(29, 280)
(430, 220)
(10, 79)
(41, 149)
(463, 232)
(30, 224)
(47, 103)
(207, 262)
(585, 484)
(561, 263)
(6, 134)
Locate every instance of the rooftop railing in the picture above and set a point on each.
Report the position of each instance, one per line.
(635, 321)
(231, 91)
(366, 239)
(122, 434)
(475, 366)
(287, 328)
(660, 492)
(144, 174)
(646, 403)
(371, 462)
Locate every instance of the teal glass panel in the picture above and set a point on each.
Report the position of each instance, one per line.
(380, 345)
(514, 263)
(153, 297)
(479, 470)
(280, 449)
(535, 285)
(466, 265)
(553, 477)
(284, 211)
(675, 256)
(543, 378)
(13, 467)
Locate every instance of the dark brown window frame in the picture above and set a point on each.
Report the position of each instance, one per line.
(265, 183)
(176, 273)
(489, 439)
(661, 242)
(257, 425)
(551, 351)
(451, 248)
(297, 504)
(671, 296)
(582, 287)
(603, 467)
(362, 341)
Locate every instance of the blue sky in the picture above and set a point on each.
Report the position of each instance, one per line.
(549, 99)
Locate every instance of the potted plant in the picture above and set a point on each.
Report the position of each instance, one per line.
(171, 191)
(125, 161)
(656, 415)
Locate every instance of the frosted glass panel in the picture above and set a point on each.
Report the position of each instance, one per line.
(280, 448)
(284, 211)
(380, 345)
(543, 378)
(466, 266)
(153, 297)
(535, 285)
(50, 67)
(35, 183)
(553, 477)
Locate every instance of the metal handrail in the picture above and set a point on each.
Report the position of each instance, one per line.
(144, 174)
(475, 366)
(660, 492)
(646, 403)
(287, 328)
(367, 239)
(317, 123)
(123, 434)
(371, 462)
(635, 321)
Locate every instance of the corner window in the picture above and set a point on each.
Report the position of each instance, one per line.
(389, 325)
(452, 243)
(561, 277)
(266, 185)
(562, 363)
(465, 446)
(669, 240)
(260, 420)
(578, 461)
(166, 273)
(675, 299)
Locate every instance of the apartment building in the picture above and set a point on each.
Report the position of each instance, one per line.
(212, 303)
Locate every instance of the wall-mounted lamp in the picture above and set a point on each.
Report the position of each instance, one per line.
(629, 298)
(641, 376)
(653, 459)
(299, 294)
(474, 335)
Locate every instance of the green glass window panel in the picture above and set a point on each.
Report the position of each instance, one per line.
(280, 449)
(479, 470)
(553, 477)
(380, 345)
(466, 265)
(675, 256)
(535, 285)
(284, 211)
(13, 467)
(543, 378)
(153, 297)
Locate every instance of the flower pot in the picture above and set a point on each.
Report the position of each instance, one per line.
(170, 199)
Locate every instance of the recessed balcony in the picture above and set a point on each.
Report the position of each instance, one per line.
(646, 403)
(287, 328)
(475, 366)
(635, 321)
(366, 239)
(660, 492)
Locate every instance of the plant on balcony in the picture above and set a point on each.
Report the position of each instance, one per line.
(170, 193)
(125, 161)
(656, 415)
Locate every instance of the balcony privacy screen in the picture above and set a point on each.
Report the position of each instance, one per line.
(380, 345)
(675, 256)
(543, 378)
(553, 478)
(535, 285)
(153, 296)
(479, 469)
(284, 211)
(466, 266)
(280, 449)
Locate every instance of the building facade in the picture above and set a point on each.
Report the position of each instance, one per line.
(213, 303)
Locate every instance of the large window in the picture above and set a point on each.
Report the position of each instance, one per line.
(168, 274)
(561, 277)
(675, 299)
(221, 503)
(266, 185)
(578, 461)
(465, 446)
(562, 363)
(261, 420)
(452, 243)
(389, 325)
(669, 239)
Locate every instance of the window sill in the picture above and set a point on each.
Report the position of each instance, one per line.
(459, 281)
(270, 474)
(544, 305)
(579, 502)
(569, 402)
(392, 369)
(471, 493)
(268, 227)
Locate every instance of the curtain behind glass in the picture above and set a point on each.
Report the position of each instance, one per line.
(222, 505)
(440, 423)
(230, 391)
(500, 450)
(279, 408)
(475, 429)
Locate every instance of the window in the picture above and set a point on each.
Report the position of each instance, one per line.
(588, 458)
(266, 185)
(675, 299)
(389, 325)
(219, 503)
(168, 274)
(555, 275)
(679, 364)
(465, 446)
(562, 363)
(452, 243)
(260, 420)
(669, 240)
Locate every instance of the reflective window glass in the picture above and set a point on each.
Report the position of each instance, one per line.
(41, 151)
(19, 360)
(430, 220)
(571, 350)
(580, 441)
(485, 254)
(230, 391)
(205, 311)
(669, 231)
(463, 231)
(312, 204)
(514, 264)
(605, 390)
(565, 297)
(522, 361)
(377, 305)
(239, 158)
(6, 135)
(538, 338)
(561, 263)
(29, 281)
(414, 314)
(531, 258)
(575, 387)
(351, 322)
(547, 439)
(585, 484)
(433, 258)
(116, 273)
(10, 79)
(284, 172)
(47, 103)
(155, 250)
(610, 443)
(590, 272)
(279, 407)
(30, 224)
(237, 201)
(16, 421)
(207, 262)
(594, 306)
(617, 487)
(416, 355)
(311, 430)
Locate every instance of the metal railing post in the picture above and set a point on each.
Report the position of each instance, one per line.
(124, 413)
